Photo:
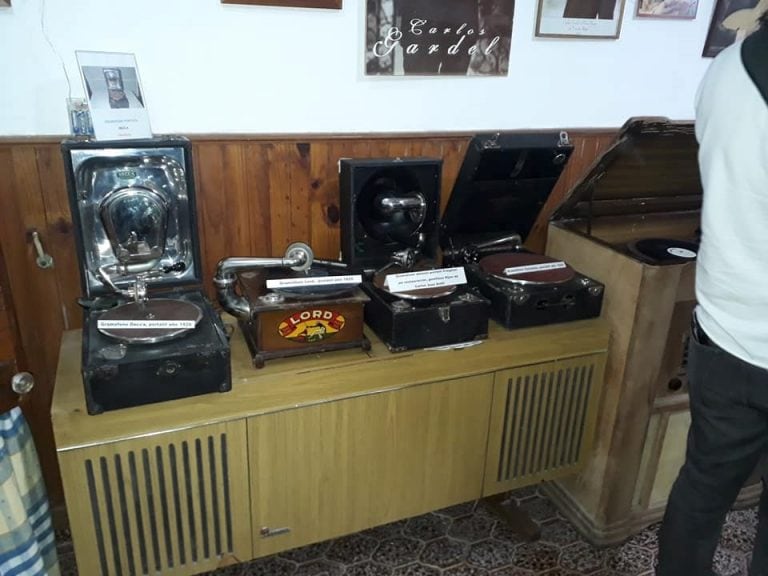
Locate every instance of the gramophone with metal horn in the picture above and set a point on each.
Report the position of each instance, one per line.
(292, 305)
(390, 233)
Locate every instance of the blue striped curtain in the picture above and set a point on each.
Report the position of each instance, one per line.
(27, 544)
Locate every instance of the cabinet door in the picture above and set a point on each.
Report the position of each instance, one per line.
(168, 503)
(663, 455)
(542, 421)
(336, 468)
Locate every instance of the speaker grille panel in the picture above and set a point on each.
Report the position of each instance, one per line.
(545, 416)
(161, 507)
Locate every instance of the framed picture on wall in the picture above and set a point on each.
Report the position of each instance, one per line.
(438, 37)
(732, 20)
(290, 3)
(672, 9)
(579, 18)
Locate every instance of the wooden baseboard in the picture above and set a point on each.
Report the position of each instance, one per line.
(600, 534)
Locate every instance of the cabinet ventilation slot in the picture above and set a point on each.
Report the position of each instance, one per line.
(161, 507)
(544, 420)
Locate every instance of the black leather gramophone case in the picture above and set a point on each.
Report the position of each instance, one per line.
(118, 373)
(502, 185)
(369, 240)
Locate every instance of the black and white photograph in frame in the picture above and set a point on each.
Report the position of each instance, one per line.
(438, 37)
(579, 18)
(114, 95)
(112, 87)
(732, 20)
(668, 9)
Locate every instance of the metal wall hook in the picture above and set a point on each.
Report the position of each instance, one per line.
(43, 259)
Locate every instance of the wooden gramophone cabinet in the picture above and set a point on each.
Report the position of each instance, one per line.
(646, 185)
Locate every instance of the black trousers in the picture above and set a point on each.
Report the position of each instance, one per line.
(727, 440)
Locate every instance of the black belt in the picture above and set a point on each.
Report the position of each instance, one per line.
(699, 334)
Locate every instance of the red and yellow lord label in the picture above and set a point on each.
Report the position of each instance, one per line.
(311, 325)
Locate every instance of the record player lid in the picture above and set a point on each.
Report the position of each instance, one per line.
(133, 210)
(651, 167)
(503, 183)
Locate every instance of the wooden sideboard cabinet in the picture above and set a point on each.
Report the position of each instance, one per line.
(161, 502)
(341, 467)
(315, 447)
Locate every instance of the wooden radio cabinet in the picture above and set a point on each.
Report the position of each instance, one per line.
(319, 446)
(645, 186)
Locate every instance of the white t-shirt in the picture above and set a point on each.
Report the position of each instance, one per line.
(732, 265)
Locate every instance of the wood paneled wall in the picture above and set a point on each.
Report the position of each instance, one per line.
(7, 343)
(255, 195)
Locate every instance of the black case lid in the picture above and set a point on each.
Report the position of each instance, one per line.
(503, 183)
(651, 167)
(163, 164)
(366, 239)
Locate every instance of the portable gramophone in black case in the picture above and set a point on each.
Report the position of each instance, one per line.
(390, 226)
(502, 185)
(149, 334)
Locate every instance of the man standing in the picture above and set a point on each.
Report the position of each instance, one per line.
(728, 357)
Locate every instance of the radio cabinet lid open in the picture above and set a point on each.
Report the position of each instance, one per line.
(650, 168)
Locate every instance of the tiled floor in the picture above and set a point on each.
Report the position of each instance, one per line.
(468, 540)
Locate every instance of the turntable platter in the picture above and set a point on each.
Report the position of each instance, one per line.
(379, 280)
(157, 310)
(664, 250)
(502, 267)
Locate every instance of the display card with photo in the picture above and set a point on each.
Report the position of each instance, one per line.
(115, 98)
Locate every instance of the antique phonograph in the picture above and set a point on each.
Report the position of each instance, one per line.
(149, 334)
(292, 305)
(390, 229)
(503, 183)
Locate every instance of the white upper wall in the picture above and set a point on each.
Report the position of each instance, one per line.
(212, 68)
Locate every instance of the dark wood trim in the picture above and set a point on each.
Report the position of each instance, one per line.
(316, 136)
(336, 4)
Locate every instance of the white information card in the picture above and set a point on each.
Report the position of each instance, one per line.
(144, 324)
(314, 281)
(516, 270)
(425, 279)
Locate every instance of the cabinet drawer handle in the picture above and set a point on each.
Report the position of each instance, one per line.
(267, 532)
